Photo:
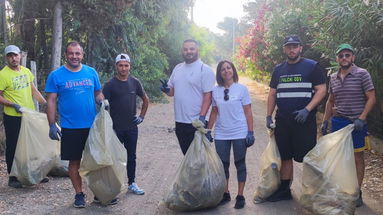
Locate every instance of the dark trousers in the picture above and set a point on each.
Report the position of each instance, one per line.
(185, 135)
(129, 139)
(12, 129)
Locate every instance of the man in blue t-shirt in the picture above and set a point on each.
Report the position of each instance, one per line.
(297, 86)
(77, 88)
(121, 92)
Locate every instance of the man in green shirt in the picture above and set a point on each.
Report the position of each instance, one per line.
(16, 91)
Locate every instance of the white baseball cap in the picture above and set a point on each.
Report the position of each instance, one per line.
(123, 57)
(11, 49)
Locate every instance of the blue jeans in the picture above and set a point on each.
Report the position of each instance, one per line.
(129, 139)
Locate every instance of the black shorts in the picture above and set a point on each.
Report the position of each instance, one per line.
(294, 140)
(73, 142)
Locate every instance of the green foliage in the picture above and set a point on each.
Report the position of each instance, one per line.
(176, 27)
(206, 41)
(322, 26)
(224, 50)
(151, 32)
(359, 24)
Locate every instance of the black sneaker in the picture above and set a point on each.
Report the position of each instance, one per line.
(45, 180)
(280, 195)
(225, 199)
(13, 182)
(79, 200)
(359, 201)
(240, 203)
(113, 202)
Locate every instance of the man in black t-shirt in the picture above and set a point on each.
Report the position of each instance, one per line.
(297, 86)
(122, 91)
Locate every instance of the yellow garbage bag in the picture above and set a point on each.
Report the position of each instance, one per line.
(270, 165)
(330, 184)
(35, 153)
(103, 164)
(200, 178)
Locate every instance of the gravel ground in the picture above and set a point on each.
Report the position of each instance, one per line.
(158, 156)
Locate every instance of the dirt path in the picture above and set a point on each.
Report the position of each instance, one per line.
(158, 156)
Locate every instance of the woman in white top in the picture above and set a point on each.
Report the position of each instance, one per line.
(234, 125)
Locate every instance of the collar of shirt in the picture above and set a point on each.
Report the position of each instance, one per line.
(353, 70)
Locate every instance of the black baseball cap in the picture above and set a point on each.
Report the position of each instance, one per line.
(292, 39)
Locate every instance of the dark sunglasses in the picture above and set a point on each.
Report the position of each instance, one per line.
(344, 56)
(226, 96)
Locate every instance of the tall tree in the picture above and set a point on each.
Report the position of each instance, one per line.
(57, 36)
(28, 28)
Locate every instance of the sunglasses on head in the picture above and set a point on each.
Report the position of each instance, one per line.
(344, 56)
(226, 94)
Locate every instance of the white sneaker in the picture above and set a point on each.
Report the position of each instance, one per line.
(135, 189)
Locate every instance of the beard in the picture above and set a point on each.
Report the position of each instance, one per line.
(190, 58)
(345, 67)
(293, 58)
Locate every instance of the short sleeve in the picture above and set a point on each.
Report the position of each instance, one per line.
(213, 102)
(245, 100)
(330, 86)
(97, 84)
(171, 79)
(3, 83)
(274, 80)
(318, 76)
(367, 83)
(106, 90)
(31, 77)
(139, 89)
(208, 79)
(50, 85)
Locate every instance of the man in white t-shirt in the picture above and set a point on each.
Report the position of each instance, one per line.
(191, 84)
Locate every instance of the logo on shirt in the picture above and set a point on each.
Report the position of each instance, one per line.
(20, 82)
(78, 83)
(290, 78)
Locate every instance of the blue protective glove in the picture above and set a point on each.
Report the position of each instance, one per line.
(17, 107)
(209, 137)
(359, 124)
(301, 115)
(138, 119)
(269, 122)
(164, 86)
(203, 120)
(250, 138)
(54, 132)
(324, 127)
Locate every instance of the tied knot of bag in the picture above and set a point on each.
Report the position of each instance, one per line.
(200, 126)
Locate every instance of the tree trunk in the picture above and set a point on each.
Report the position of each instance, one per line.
(4, 35)
(44, 57)
(57, 36)
(28, 30)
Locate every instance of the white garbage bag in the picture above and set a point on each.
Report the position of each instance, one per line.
(200, 179)
(103, 164)
(330, 184)
(270, 165)
(35, 153)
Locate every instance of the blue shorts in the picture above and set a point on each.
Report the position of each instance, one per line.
(358, 137)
